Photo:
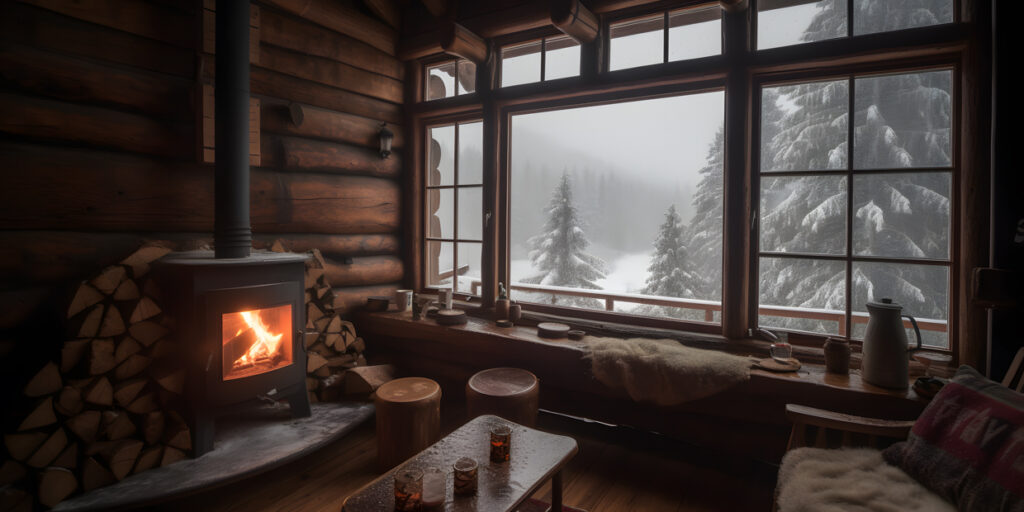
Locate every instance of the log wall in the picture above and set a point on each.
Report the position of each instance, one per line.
(99, 151)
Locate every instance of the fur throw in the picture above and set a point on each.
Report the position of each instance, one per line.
(663, 371)
(850, 480)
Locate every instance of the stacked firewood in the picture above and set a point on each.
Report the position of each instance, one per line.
(332, 346)
(106, 408)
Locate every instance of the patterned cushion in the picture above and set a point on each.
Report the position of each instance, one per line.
(968, 445)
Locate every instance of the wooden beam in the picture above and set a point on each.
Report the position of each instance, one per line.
(423, 45)
(308, 121)
(330, 72)
(146, 19)
(458, 40)
(344, 20)
(574, 20)
(301, 154)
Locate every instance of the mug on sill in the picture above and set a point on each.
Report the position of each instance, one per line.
(781, 351)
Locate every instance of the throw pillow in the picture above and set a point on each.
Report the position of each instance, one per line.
(968, 445)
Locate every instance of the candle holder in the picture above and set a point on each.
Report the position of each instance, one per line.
(408, 490)
(501, 437)
(465, 476)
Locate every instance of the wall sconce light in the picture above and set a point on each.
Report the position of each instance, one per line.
(386, 136)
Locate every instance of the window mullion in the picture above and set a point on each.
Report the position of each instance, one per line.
(848, 322)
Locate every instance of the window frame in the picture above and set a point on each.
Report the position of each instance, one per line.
(741, 70)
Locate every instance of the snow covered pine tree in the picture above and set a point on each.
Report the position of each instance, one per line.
(671, 274)
(559, 252)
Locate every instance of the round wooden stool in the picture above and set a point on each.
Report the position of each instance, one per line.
(408, 419)
(511, 393)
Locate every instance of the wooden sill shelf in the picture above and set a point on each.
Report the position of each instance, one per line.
(749, 417)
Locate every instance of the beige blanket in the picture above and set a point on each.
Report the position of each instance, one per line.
(850, 480)
(663, 371)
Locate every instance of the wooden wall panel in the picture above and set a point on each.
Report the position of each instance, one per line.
(98, 116)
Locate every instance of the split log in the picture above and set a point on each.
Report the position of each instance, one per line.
(131, 367)
(121, 457)
(109, 279)
(113, 324)
(13, 499)
(46, 381)
(125, 349)
(85, 425)
(312, 384)
(176, 432)
(72, 353)
(101, 355)
(126, 392)
(370, 270)
(100, 392)
(139, 260)
(147, 332)
(310, 338)
(41, 416)
(299, 154)
(291, 202)
(148, 459)
(128, 290)
(308, 121)
(145, 309)
(55, 484)
(313, 313)
(95, 475)
(365, 380)
(117, 425)
(331, 388)
(575, 20)
(358, 345)
(153, 427)
(85, 296)
(171, 455)
(144, 404)
(11, 471)
(68, 458)
(334, 340)
(314, 362)
(49, 450)
(323, 371)
(344, 20)
(20, 446)
(312, 39)
(69, 401)
(321, 350)
(91, 323)
(330, 72)
(171, 379)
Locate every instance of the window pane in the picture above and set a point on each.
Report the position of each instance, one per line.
(471, 213)
(781, 23)
(902, 215)
(596, 209)
(561, 58)
(471, 157)
(903, 120)
(695, 33)
(802, 294)
(468, 279)
(467, 76)
(520, 64)
(884, 15)
(440, 82)
(922, 290)
(803, 214)
(803, 126)
(440, 213)
(441, 157)
(439, 260)
(637, 42)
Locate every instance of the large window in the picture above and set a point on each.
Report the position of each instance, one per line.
(657, 197)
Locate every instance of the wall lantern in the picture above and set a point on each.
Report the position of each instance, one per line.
(386, 136)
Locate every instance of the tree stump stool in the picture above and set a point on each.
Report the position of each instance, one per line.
(408, 419)
(511, 393)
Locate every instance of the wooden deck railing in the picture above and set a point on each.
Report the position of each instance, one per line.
(709, 307)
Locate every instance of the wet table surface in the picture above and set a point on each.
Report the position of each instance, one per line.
(535, 457)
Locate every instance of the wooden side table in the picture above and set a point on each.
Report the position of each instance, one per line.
(535, 457)
(511, 393)
(408, 418)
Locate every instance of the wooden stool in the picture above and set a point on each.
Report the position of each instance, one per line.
(408, 419)
(511, 393)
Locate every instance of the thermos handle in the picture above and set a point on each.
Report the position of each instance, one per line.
(916, 331)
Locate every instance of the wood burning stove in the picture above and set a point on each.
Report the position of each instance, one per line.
(238, 322)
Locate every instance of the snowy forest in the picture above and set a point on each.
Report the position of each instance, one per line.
(593, 224)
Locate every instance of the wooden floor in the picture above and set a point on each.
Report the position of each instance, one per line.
(617, 469)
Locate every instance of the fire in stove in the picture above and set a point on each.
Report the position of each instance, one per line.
(256, 341)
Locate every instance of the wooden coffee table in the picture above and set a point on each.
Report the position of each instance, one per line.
(536, 456)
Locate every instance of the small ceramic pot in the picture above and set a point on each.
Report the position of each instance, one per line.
(515, 312)
(837, 356)
(501, 308)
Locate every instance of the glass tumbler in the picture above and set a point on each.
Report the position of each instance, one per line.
(408, 490)
(465, 476)
(501, 437)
